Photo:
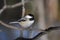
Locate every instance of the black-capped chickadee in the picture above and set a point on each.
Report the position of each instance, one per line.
(26, 21)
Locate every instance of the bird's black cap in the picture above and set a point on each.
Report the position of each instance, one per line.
(31, 15)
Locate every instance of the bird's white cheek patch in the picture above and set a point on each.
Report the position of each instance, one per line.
(27, 16)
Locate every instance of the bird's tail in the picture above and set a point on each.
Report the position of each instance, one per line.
(12, 22)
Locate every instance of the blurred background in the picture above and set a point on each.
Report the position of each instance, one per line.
(46, 13)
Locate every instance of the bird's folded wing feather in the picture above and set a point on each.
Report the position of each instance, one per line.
(22, 19)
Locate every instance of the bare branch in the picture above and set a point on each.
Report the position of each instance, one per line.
(9, 26)
(11, 6)
(46, 31)
(1, 10)
(23, 8)
(15, 5)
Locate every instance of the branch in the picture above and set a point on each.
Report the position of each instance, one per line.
(11, 6)
(46, 31)
(1, 10)
(9, 26)
(15, 5)
(41, 33)
(4, 7)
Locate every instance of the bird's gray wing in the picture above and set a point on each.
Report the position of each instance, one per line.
(22, 19)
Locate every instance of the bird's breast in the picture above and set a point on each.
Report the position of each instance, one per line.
(26, 24)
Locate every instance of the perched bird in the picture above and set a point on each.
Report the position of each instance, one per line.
(26, 21)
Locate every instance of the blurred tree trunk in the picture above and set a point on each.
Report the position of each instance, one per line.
(52, 19)
(52, 11)
(52, 14)
(38, 5)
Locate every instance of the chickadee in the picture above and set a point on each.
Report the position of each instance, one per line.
(26, 21)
